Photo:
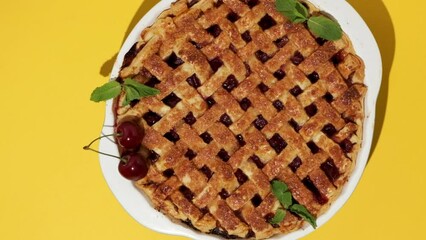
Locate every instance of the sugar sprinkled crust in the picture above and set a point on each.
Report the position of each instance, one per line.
(246, 97)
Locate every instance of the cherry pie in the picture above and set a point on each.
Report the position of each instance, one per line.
(246, 97)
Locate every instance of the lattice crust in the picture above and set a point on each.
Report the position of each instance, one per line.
(246, 97)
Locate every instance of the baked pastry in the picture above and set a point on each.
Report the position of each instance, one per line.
(246, 97)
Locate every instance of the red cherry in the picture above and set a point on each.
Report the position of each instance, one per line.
(133, 167)
(129, 135)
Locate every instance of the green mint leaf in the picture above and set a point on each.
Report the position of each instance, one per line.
(107, 91)
(131, 94)
(281, 192)
(321, 26)
(279, 187)
(285, 5)
(300, 8)
(304, 213)
(143, 90)
(293, 10)
(299, 20)
(294, 16)
(286, 199)
(325, 28)
(278, 217)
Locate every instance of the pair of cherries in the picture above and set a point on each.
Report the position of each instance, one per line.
(133, 166)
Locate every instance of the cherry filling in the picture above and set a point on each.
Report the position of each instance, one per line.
(321, 41)
(214, 30)
(190, 154)
(260, 122)
(256, 160)
(311, 110)
(194, 81)
(188, 222)
(329, 130)
(168, 173)
(151, 118)
(223, 233)
(226, 120)
(186, 192)
(245, 103)
(190, 119)
(313, 77)
(295, 164)
(152, 82)
(134, 102)
(204, 210)
(197, 45)
(207, 138)
(349, 81)
(328, 97)
(248, 69)
(210, 101)
(296, 91)
(251, 3)
(297, 58)
(192, 3)
(241, 176)
(215, 64)
(232, 17)
(314, 148)
(240, 140)
(223, 154)
(223, 194)
(246, 36)
(278, 105)
(277, 143)
(279, 74)
(206, 171)
(230, 83)
(263, 87)
(295, 125)
(171, 100)
(250, 234)
(267, 22)
(338, 58)
(262, 56)
(130, 55)
(330, 170)
(218, 3)
(174, 61)
(346, 145)
(281, 42)
(321, 199)
(233, 48)
(172, 136)
(256, 200)
(153, 156)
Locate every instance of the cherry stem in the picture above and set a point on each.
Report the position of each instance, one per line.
(87, 147)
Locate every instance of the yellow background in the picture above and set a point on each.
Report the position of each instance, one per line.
(54, 53)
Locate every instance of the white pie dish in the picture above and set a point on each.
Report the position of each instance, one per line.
(138, 205)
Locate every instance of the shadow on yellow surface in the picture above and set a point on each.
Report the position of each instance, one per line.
(142, 10)
(378, 19)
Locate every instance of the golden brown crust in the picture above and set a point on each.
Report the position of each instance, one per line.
(245, 97)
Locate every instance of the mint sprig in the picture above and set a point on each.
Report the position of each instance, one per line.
(320, 26)
(133, 90)
(106, 91)
(283, 194)
(324, 27)
(304, 213)
(279, 216)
